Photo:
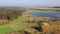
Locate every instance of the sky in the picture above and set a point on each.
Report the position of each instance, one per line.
(29, 3)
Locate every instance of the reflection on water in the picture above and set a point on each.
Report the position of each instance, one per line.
(46, 14)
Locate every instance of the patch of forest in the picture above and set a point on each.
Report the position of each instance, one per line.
(10, 13)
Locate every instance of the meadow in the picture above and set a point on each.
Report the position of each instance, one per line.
(15, 23)
(13, 20)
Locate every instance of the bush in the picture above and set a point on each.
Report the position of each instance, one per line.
(10, 13)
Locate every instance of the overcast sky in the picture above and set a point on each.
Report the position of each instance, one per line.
(29, 2)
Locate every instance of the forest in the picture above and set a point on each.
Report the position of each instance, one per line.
(9, 14)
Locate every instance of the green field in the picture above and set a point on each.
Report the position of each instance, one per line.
(17, 24)
(30, 10)
(4, 30)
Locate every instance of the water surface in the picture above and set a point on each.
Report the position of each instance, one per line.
(46, 14)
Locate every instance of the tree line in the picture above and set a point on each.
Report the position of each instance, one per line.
(10, 13)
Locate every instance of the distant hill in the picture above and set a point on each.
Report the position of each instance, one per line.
(56, 7)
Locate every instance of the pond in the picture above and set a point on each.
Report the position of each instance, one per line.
(54, 15)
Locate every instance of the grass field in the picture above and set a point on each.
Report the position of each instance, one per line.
(42, 11)
(17, 24)
(4, 30)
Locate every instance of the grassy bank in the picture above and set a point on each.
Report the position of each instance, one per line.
(16, 24)
(30, 10)
(35, 11)
(4, 30)
(20, 25)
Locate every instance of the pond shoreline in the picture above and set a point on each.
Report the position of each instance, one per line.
(30, 13)
(42, 11)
